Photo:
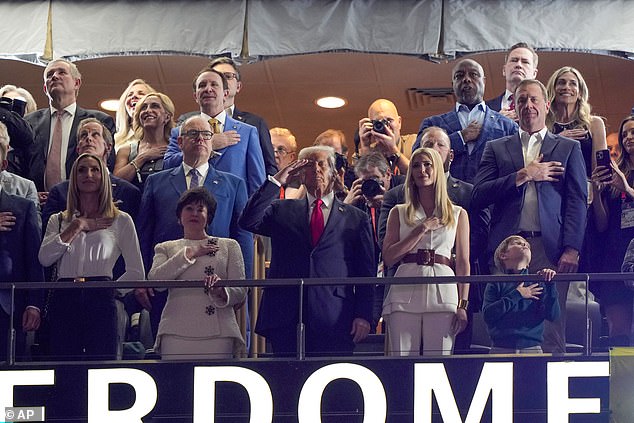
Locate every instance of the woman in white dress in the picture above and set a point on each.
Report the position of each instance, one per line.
(419, 239)
(85, 241)
(199, 323)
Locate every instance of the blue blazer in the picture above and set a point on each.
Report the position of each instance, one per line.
(157, 221)
(19, 248)
(464, 165)
(562, 204)
(496, 103)
(243, 159)
(270, 165)
(345, 249)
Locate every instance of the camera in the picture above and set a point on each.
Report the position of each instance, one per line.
(13, 105)
(370, 188)
(380, 126)
(341, 162)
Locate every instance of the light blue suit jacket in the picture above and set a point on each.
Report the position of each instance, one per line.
(157, 221)
(243, 159)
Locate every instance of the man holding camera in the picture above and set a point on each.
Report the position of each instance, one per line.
(19, 130)
(381, 131)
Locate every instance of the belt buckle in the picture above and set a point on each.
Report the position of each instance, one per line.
(425, 257)
(80, 280)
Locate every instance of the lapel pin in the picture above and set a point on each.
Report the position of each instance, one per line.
(340, 208)
(215, 182)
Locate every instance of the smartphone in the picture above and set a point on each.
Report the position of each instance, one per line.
(603, 159)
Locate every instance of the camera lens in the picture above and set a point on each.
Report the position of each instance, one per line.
(379, 126)
(370, 188)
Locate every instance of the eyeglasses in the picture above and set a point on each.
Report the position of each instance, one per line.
(281, 151)
(230, 75)
(193, 134)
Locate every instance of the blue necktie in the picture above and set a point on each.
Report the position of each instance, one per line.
(194, 183)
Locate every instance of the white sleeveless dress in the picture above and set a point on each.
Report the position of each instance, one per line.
(423, 298)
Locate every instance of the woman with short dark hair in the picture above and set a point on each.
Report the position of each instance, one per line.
(199, 323)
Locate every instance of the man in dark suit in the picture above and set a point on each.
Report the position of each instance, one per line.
(19, 245)
(313, 237)
(236, 144)
(471, 124)
(230, 70)
(49, 158)
(537, 183)
(157, 221)
(520, 62)
(95, 138)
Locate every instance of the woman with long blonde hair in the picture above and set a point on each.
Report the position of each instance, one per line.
(419, 238)
(153, 121)
(85, 241)
(135, 90)
(570, 114)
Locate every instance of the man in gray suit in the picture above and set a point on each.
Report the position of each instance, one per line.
(48, 160)
(12, 183)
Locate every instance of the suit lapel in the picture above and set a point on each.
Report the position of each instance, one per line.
(453, 122)
(231, 124)
(514, 148)
(334, 219)
(46, 133)
(72, 138)
(177, 179)
(548, 145)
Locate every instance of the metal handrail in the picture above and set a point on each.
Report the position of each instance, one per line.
(302, 283)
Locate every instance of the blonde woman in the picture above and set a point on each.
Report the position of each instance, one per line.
(85, 241)
(127, 103)
(152, 123)
(419, 239)
(570, 116)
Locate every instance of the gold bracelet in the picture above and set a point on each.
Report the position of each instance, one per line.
(463, 304)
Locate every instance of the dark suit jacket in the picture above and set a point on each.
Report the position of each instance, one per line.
(157, 221)
(20, 132)
(33, 159)
(270, 166)
(496, 103)
(344, 250)
(243, 159)
(126, 196)
(464, 165)
(562, 204)
(19, 248)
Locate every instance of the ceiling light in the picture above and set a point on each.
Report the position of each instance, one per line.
(110, 105)
(331, 102)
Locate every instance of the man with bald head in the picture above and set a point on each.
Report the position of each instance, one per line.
(381, 131)
(471, 124)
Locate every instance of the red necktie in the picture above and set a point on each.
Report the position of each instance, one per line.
(512, 102)
(316, 222)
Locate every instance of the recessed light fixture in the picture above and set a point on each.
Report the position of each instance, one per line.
(110, 105)
(331, 102)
